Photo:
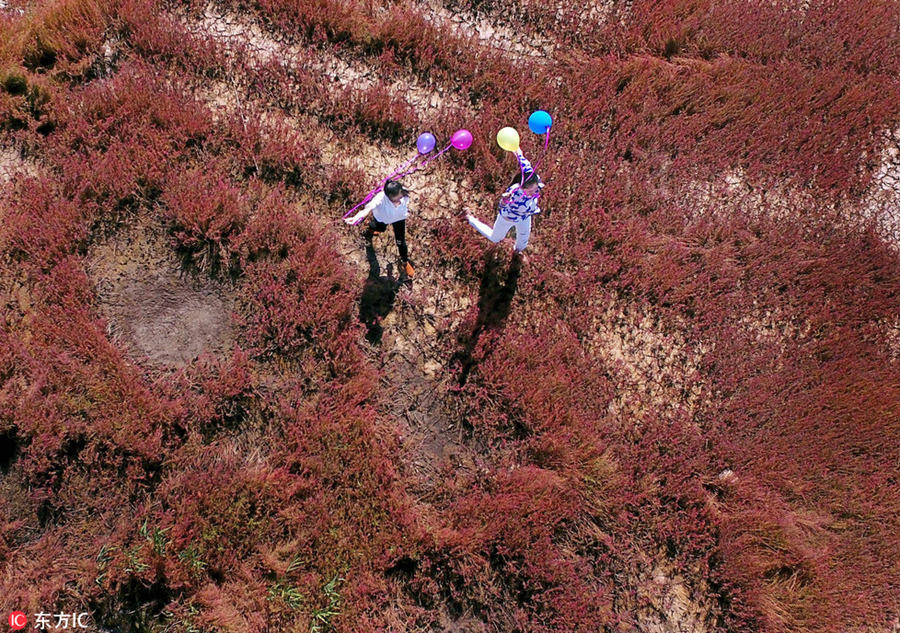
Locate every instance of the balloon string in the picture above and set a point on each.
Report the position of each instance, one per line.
(425, 162)
(546, 144)
(368, 197)
(377, 188)
(537, 164)
(400, 172)
(401, 168)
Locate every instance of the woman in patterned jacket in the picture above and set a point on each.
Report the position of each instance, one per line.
(517, 204)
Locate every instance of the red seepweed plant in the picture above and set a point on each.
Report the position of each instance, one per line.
(685, 398)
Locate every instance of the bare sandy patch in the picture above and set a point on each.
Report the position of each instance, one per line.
(12, 165)
(246, 41)
(154, 310)
(650, 361)
(882, 201)
(490, 33)
(669, 602)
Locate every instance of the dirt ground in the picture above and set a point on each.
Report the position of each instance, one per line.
(155, 310)
(166, 317)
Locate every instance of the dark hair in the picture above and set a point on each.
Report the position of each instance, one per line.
(530, 179)
(393, 188)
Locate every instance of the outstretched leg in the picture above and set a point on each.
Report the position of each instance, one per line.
(497, 232)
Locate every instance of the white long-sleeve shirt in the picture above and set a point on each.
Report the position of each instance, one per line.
(386, 211)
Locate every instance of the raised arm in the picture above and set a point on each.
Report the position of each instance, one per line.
(525, 166)
(524, 163)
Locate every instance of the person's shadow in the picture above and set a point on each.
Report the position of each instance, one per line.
(494, 301)
(378, 294)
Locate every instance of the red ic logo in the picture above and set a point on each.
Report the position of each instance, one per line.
(17, 620)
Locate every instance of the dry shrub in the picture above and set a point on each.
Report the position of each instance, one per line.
(63, 37)
(252, 484)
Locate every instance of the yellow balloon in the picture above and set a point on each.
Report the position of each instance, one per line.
(508, 139)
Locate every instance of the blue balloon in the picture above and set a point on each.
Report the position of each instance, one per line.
(425, 143)
(540, 121)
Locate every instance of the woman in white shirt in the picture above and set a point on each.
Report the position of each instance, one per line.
(389, 206)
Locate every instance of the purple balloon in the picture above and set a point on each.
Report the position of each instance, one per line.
(425, 143)
(461, 139)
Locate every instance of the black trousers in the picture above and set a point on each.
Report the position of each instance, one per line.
(399, 234)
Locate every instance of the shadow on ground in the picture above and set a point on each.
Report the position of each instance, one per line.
(495, 295)
(378, 295)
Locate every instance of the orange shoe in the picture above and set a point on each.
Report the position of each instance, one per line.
(408, 268)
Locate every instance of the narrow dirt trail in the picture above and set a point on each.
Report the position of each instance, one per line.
(404, 318)
(407, 322)
(523, 47)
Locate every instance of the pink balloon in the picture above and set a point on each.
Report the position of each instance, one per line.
(461, 139)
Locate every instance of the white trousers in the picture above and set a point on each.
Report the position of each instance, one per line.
(501, 228)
